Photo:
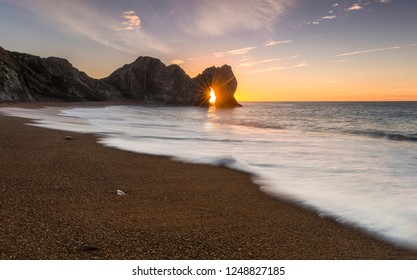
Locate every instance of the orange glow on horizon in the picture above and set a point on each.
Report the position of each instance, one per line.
(313, 91)
(305, 84)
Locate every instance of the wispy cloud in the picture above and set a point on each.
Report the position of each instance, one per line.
(270, 43)
(248, 64)
(337, 9)
(94, 22)
(177, 61)
(132, 21)
(246, 50)
(233, 52)
(197, 58)
(368, 51)
(339, 61)
(354, 7)
(278, 68)
(328, 17)
(219, 17)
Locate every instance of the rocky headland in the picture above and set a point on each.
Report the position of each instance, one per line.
(29, 78)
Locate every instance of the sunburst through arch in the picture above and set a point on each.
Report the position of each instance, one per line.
(212, 99)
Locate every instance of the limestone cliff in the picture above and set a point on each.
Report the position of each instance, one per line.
(28, 78)
(148, 79)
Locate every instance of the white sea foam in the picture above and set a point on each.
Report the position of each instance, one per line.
(308, 154)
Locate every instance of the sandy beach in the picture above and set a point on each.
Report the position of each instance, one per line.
(59, 201)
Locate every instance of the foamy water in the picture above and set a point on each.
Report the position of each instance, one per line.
(356, 162)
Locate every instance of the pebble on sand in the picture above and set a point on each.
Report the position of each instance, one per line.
(119, 192)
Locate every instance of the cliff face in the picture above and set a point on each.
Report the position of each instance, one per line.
(28, 78)
(148, 79)
(11, 88)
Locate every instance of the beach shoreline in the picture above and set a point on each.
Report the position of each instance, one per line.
(60, 202)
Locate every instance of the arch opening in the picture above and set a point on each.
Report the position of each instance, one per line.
(212, 99)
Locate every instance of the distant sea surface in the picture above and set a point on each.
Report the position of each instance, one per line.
(355, 162)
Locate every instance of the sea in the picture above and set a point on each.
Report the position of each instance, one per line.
(355, 162)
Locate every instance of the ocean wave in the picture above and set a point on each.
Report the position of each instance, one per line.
(224, 161)
(187, 138)
(385, 135)
(311, 161)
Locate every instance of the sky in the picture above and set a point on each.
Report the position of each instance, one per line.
(292, 50)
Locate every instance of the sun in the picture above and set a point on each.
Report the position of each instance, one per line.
(212, 96)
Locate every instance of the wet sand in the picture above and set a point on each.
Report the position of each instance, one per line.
(58, 201)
